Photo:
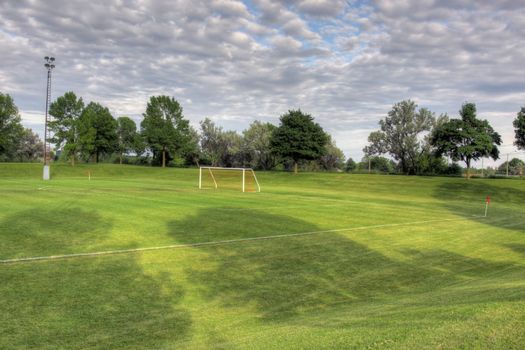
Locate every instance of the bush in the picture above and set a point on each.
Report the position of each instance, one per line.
(453, 169)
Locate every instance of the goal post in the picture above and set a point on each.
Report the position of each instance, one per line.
(243, 179)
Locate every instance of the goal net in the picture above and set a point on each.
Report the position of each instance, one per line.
(240, 179)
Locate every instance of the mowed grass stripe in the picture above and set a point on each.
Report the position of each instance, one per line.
(222, 242)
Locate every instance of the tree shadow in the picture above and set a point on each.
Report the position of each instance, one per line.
(518, 248)
(95, 303)
(284, 277)
(107, 302)
(467, 198)
(51, 231)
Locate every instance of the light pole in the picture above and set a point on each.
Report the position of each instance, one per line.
(49, 65)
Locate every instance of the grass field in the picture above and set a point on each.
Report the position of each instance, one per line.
(357, 261)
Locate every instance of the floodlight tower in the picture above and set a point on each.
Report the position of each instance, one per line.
(50, 64)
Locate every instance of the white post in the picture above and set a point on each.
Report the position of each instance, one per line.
(486, 208)
(257, 182)
(243, 178)
(213, 177)
(46, 172)
(507, 165)
(200, 178)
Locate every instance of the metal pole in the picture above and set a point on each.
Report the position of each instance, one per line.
(47, 111)
(507, 165)
(49, 65)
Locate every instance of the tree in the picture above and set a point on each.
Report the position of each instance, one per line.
(212, 143)
(515, 167)
(11, 129)
(139, 144)
(127, 136)
(30, 147)
(221, 148)
(519, 128)
(191, 150)
(164, 128)
(97, 131)
(334, 158)
(257, 145)
(66, 111)
(298, 137)
(401, 135)
(431, 164)
(233, 144)
(350, 165)
(377, 164)
(466, 139)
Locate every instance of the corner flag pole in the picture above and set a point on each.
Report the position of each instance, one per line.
(487, 202)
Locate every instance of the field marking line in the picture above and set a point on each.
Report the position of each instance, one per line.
(212, 243)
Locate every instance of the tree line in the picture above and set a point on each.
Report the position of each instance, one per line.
(16, 142)
(89, 133)
(419, 140)
(416, 140)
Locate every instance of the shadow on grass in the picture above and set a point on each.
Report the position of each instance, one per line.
(99, 303)
(518, 248)
(50, 231)
(104, 303)
(467, 198)
(284, 277)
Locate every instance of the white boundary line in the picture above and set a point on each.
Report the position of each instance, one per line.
(229, 241)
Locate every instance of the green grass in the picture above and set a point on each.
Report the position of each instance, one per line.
(456, 281)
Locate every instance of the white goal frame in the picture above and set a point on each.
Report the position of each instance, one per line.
(244, 170)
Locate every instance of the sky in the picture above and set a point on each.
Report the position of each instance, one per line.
(344, 62)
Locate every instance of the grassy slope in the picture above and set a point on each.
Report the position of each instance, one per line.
(458, 283)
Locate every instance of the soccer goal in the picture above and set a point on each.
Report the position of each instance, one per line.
(242, 179)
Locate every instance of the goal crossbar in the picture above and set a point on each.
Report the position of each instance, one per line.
(243, 173)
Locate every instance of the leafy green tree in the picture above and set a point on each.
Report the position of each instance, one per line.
(139, 144)
(30, 147)
(519, 127)
(127, 136)
(189, 146)
(66, 111)
(350, 165)
(334, 158)
(401, 135)
(431, 164)
(298, 137)
(221, 148)
(212, 143)
(466, 139)
(192, 151)
(516, 167)
(377, 164)
(97, 131)
(11, 129)
(233, 144)
(257, 145)
(164, 128)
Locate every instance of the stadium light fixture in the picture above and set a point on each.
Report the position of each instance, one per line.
(49, 66)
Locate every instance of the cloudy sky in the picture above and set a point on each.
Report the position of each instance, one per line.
(344, 62)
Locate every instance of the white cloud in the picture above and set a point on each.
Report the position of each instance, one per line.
(345, 62)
